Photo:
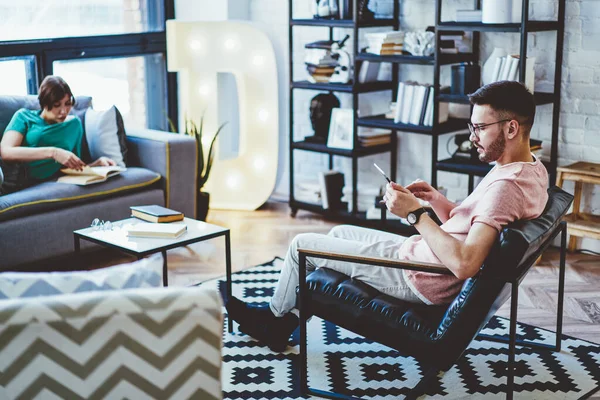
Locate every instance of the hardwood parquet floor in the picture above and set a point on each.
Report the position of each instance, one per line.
(258, 236)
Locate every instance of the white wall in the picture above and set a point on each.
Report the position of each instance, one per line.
(579, 137)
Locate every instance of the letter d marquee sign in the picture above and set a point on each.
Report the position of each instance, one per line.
(198, 51)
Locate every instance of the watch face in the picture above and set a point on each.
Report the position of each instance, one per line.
(412, 218)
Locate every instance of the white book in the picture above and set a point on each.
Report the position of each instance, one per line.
(530, 73)
(368, 72)
(157, 230)
(497, 69)
(506, 68)
(407, 100)
(514, 68)
(399, 100)
(417, 104)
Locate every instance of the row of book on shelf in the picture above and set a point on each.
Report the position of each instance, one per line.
(507, 68)
(392, 42)
(414, 105)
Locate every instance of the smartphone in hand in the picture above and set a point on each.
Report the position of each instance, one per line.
(382, 173)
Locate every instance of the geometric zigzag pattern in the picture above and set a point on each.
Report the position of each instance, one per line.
(341, 361)
(159, 343)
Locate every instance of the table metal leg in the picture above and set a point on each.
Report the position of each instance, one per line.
(76, 243)
(228, 275)
(165, 269)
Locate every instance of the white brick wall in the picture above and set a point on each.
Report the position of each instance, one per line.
(579, 120)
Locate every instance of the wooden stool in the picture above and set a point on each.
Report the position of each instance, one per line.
(580, 224)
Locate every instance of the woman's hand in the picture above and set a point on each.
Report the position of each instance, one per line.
(399, 200)
(424, 191)
(103, 162)
(68, 159)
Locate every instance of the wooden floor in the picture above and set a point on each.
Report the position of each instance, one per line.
(258, 236)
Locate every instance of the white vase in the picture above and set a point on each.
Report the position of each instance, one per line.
(487, 71)
(496, 11)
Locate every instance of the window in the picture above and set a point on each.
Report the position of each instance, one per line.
(34, 19)
(111, 50)
(17, 75)
(135, 85)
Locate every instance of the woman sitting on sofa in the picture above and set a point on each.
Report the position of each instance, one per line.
(44, 140)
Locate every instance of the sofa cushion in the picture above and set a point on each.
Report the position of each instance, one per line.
(138, 274)
(105, 135)
(48, 196)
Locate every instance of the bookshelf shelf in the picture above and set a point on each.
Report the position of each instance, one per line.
(531, 26)
(360, 152)
(395, 226)
(344, 88)
(445, 59)
(341, 23)
(541, 98)
(379, 121)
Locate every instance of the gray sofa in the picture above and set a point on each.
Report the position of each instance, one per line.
(37, 223)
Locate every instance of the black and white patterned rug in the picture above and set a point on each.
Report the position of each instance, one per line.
(344, 362)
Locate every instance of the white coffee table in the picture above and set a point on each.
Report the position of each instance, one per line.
(197, 231)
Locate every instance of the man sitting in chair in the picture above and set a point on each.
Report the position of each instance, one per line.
(503, 114)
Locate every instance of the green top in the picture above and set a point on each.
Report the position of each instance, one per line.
(37, 132)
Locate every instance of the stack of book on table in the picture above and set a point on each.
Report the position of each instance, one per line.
(373, 137)
(414, 105)
(385, 43)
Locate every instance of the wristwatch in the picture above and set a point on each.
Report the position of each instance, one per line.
(413, 216)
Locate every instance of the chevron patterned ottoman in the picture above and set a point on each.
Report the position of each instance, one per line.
(143, 343)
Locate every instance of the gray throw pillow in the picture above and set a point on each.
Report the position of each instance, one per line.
(105, 135)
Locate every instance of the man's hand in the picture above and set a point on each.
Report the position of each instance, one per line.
(103, 162)
(399, 200)
(67, 158)
(424, 191)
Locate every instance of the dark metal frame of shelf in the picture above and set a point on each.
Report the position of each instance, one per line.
(470, 168)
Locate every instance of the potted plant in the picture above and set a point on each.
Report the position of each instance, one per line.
(196, 130)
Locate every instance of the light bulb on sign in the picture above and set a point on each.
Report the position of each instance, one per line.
(230, 44)
(233, 180)
(263, 115)
(259, 163)
(204, 90)
(258, 60)
(195, 45)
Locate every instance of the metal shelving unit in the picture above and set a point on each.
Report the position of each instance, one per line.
(471, 168)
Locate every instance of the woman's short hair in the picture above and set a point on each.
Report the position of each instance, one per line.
(53, 89)
(511, 99)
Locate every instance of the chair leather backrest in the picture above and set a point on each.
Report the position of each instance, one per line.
(516, 250)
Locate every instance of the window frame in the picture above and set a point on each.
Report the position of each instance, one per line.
(48, 50)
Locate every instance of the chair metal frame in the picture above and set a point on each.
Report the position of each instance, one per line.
(431, 372)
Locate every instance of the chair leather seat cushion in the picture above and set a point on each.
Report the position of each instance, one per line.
(48, 196)
(360, 308)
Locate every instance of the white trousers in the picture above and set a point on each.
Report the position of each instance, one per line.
(346, 239)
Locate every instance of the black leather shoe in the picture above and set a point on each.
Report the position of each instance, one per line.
(260, 323)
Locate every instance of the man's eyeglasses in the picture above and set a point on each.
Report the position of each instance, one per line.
(476, 129)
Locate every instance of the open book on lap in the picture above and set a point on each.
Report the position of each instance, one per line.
(89, 175)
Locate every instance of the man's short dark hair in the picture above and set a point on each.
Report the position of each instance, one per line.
(53, 89)
(510, 99)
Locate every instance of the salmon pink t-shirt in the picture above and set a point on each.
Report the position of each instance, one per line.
(510, 192)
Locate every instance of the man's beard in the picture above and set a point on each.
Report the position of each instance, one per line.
(495, 150)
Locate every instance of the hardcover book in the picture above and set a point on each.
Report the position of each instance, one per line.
(156, 213)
